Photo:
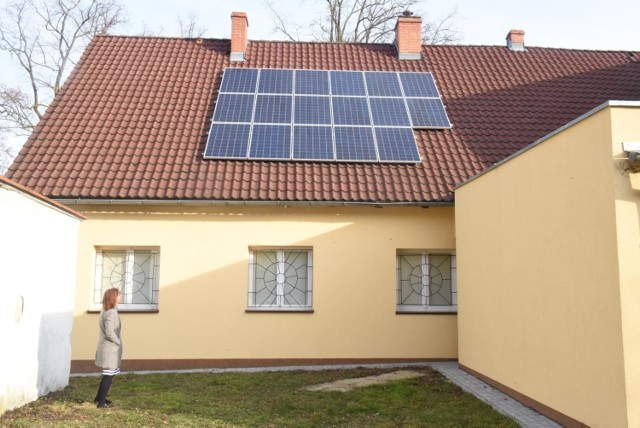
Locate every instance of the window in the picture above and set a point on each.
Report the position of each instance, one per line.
(426, 282)
(134, 272)
(280, 279)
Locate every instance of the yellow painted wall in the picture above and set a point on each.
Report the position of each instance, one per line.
(204, 255)
(540, 276)
(626, 127)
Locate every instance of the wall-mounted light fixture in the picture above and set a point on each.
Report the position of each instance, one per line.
(632, 148)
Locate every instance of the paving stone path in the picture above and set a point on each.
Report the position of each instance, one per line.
(524, 416)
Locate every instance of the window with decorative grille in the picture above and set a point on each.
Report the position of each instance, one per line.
(134, 272)
(426, 282)
(280, 279)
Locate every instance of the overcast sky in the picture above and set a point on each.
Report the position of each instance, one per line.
(585, 24)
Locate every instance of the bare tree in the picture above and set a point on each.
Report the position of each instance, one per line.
(46, 38)
(6, 155)
(443, 31)
(17, 110)
(364, 21)
(189, 27)
(287, 27)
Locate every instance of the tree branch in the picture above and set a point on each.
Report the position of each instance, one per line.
(283, 25)
(6, 155)
(189, 27)
(364, 21)
(443, 31)
(46, 38)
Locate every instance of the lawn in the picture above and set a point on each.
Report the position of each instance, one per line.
(267, 399)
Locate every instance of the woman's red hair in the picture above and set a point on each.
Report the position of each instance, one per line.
(109, 299)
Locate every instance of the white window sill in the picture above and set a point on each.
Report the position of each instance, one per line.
(281, 310)
(412, 310)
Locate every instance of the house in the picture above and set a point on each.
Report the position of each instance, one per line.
(257, 252)
(36, 305)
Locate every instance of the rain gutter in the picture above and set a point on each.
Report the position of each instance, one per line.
(216, 202)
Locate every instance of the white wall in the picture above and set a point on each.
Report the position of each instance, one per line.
(38, 250)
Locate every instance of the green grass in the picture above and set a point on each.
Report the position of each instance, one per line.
(276, 399)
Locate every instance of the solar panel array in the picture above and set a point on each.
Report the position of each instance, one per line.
(320, 115)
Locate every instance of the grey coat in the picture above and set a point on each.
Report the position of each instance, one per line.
(109, 353)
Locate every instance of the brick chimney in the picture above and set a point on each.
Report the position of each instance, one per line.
(239, 24)
(515, 40)
(409, 36)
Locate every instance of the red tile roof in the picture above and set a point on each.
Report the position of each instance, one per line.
(132, 120)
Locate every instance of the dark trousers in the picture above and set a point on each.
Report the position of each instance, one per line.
(103, 390)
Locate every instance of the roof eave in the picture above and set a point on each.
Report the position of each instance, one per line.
(219, 202)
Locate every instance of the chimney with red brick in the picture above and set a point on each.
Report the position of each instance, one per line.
(239, 25)
(515, 40)
(409, 36)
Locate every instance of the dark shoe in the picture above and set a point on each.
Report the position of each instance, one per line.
(107, 402)
(104, 405)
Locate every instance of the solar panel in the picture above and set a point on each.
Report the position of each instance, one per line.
(382, 84)
(347, 83)
(275, 81)
(312, 143)
(427, 113)
(312, 82)
(241, 80)
(270, 142)
(350, 111)
(355, 144)
(419, 85)
(396, 144)
(312, 110)
(234, 108)
(273, 109)
(318, 115)
(228, 141)
(389, 112)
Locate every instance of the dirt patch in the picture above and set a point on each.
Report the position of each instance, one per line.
(345, 385)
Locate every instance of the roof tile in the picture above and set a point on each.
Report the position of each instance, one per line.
(132, 120)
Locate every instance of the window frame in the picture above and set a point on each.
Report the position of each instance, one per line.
(124, 306)
(280, 260)
(425, 307)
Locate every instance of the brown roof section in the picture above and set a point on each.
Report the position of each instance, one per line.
(132, 120)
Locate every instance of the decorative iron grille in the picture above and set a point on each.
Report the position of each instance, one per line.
(280, 279)
(426, 280)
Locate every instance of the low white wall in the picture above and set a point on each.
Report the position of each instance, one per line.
(38, 250)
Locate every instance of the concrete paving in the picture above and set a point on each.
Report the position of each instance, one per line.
(524, 416)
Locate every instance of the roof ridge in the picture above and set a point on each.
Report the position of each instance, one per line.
(145, 36)
(528, 47)
(320, 42)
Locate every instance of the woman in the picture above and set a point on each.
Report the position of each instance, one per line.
(109, 353)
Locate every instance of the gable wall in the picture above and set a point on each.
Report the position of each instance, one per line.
(204, 254)
(625, 127)
(538, 275)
